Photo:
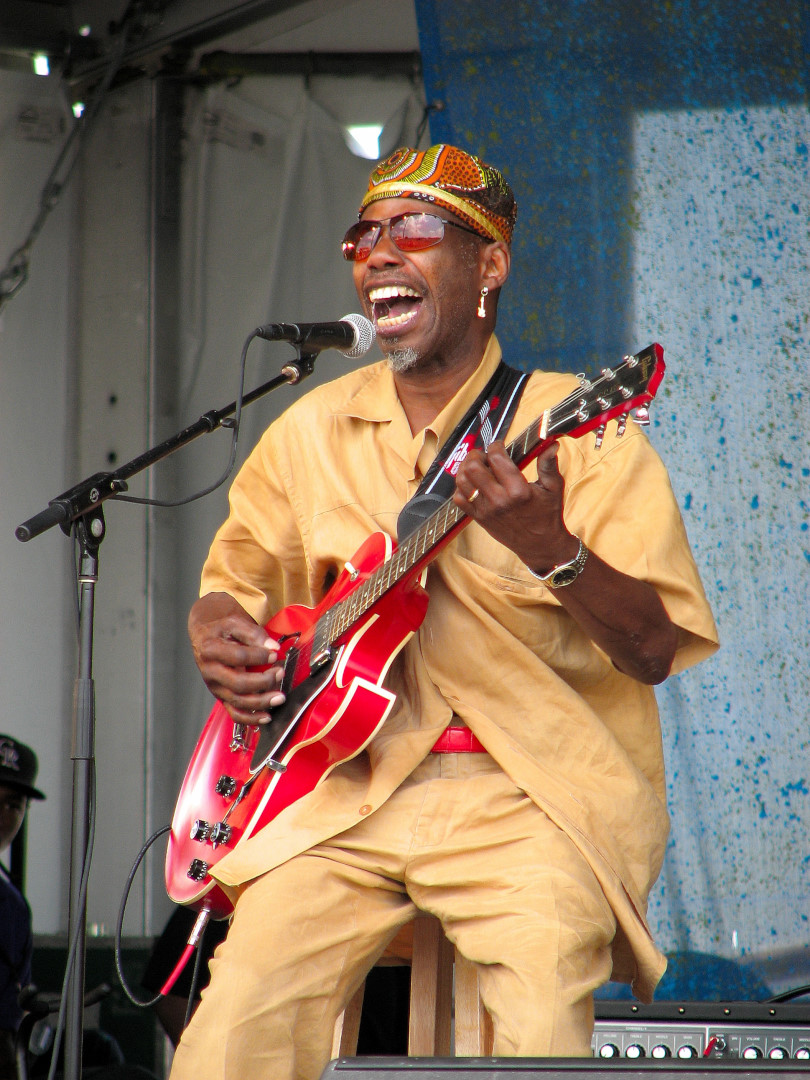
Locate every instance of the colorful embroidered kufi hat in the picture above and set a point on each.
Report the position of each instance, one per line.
(448, 177)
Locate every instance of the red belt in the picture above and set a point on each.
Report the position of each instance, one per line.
(458, 740)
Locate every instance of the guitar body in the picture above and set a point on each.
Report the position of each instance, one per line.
(336, 656)
(241, 777)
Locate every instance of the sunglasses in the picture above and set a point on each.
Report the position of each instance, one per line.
(413, 231)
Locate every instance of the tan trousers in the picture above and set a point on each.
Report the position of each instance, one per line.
(457, 839)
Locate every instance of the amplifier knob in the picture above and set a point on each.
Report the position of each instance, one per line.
(660, 1051)
(803, 1053)
(778, 1053)
(608, 1050)
(635, 1051)
(751, 1052)
(687, 1051)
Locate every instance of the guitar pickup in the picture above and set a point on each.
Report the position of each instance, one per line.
(317, 660)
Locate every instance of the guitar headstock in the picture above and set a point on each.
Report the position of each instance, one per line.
(619, 392)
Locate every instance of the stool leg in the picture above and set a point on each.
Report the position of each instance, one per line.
(431, 990)
(473, 1029)
(347, 1026)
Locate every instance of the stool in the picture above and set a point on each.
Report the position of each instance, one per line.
(444, 989)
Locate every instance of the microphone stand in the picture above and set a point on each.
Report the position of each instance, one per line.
(79, 510)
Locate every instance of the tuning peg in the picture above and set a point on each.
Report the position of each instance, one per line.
(621, 425)
(600, 434)
(641, 415)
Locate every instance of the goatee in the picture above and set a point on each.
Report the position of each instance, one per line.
(400, 360)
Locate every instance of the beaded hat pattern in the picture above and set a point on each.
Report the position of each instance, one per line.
(448, 177)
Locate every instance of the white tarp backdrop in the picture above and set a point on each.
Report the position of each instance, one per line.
(269, 186)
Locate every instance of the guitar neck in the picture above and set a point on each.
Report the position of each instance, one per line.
(615, 393)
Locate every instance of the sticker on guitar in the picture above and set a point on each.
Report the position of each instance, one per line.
(336, 656)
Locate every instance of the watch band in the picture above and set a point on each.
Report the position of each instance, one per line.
(564, 573)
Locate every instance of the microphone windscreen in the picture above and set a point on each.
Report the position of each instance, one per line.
(364, 335)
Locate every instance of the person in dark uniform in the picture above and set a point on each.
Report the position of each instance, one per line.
(18, 771)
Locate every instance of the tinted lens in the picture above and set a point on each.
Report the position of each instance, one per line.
(360, 240)
(415, 232)
(410, 232)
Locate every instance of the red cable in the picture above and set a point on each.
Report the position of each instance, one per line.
(193, 941)
(188, 952)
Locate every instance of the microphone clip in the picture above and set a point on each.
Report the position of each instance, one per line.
(296, 370)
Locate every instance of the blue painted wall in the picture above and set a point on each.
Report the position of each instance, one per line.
(659, 152)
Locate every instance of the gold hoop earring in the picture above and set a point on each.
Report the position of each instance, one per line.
(482, 311)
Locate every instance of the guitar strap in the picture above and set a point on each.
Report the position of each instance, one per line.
(488, 417)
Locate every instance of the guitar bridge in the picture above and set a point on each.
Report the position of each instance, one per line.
(239, 737)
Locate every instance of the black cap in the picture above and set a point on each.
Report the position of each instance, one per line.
(18, 766)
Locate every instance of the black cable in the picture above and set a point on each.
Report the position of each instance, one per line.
(232, 422)
(119, 926)
(789, 995)
(15, 273)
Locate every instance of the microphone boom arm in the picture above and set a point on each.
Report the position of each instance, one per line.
(88, 495)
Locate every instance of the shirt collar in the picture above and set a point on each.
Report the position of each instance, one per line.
(376, 399)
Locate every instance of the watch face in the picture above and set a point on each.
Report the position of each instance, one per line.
(564, 576)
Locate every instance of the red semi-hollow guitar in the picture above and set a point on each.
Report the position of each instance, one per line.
(336, 656)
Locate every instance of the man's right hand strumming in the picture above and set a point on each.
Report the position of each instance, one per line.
(230, 649)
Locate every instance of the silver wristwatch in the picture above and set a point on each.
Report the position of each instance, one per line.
(566, 572)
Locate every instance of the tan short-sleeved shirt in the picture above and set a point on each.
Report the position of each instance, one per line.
(495, 648)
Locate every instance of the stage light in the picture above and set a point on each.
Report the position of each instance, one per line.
(41, 64)
(364, 140)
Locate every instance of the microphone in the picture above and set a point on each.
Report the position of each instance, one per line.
(353, 335)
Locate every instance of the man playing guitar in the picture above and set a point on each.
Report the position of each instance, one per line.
(512, 782)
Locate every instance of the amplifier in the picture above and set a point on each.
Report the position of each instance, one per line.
(709, 1030)
(382, 1068)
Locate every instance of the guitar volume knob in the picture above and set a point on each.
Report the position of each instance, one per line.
(200, 831)
(197, 870)
(226, 785)
(220, 833)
